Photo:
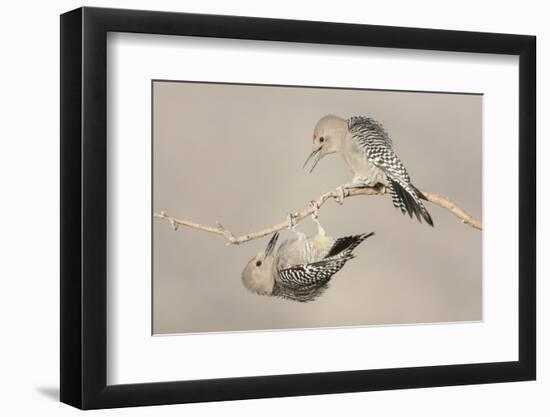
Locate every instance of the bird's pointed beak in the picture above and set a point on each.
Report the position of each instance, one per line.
(316, 156)
(271, 244)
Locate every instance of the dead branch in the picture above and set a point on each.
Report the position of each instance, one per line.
(310, 210)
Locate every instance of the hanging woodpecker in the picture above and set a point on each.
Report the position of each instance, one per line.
(368, 151)
(301, 268)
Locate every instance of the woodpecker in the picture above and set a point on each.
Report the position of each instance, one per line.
(301, 268)
(368, 151)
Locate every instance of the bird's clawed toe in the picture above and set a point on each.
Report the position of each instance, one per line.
(290, 220)
(343, 192)
(315, 206)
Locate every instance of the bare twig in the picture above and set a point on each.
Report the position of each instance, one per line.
(454, 209)
(311, 209)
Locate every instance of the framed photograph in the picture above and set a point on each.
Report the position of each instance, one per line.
(258, 208)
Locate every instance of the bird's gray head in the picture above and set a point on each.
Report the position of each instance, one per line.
(327, 138)
(258, 274)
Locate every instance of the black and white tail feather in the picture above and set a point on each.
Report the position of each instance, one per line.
(344, 246)
(306, 282)
(407, 198)
(373, 139)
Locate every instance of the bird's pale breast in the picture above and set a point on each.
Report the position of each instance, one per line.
(359, 164)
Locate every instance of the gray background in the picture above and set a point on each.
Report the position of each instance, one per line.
(234, 153)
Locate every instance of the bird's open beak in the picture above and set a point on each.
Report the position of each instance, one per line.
(271, 244)
(316, 156)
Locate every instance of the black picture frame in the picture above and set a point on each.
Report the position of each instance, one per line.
(84, 207)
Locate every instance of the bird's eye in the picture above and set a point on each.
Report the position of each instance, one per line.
(321, 139)
(258, 263)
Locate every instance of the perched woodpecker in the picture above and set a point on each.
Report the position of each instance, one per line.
(301, 268)
(368, 151)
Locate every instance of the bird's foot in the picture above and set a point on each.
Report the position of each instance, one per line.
(315, 206)
(292, 226)
(290, 220)
(382, 188)
(315, 217)
(343, 192)
(344, 189)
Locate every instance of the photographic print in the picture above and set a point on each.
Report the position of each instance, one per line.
(296, 207)
(330, 185)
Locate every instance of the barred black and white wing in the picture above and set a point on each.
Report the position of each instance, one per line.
(305, 282)
(373, 140)
(347, 244)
